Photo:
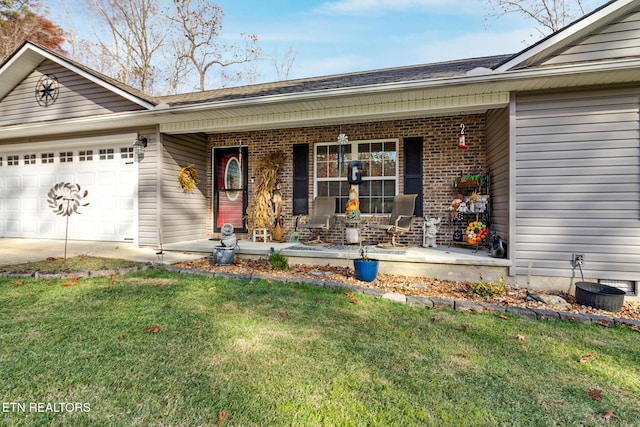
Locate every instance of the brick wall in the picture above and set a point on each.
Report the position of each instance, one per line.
(442, 163)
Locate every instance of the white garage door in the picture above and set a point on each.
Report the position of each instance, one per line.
(106, 171)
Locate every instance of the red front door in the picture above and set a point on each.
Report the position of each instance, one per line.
(230, 187)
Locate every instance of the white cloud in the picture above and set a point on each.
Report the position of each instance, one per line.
(361, 7)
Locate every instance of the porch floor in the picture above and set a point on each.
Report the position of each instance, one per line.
(444, 262)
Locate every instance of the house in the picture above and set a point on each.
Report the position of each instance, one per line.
(555, 128)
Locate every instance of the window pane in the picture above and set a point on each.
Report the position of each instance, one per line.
(323, 188)
(323, 169)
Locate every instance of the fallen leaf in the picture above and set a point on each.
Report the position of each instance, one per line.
(269, 281)
(635, 328)
(349, 294)
(354, 301)
(503, 317)
(571, 319)
(65, 284)
(284, 314)
(435, 319)
(461, 355)
(463, 327)
(17, 283)
(113, 279)
(121, 336)
(105, 287)
(153, 329)
(607, 415)
(604, 323)
(595, 394)
(157, 285)
(319, 301)
(222, 414)
(520, 337)
(586, 357)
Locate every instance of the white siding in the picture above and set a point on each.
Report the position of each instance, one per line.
(78, 97)
(498, 163)
(618, 40)
(578, 183)
(183, 214)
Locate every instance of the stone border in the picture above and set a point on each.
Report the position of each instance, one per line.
(426, 302)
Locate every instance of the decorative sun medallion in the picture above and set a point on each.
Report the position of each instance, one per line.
(47, 90)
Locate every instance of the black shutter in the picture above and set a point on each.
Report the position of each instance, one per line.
(301, 179)
(413, 170)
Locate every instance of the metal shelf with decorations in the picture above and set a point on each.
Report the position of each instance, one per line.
(469, 218)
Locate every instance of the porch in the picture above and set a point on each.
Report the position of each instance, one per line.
(443, 263)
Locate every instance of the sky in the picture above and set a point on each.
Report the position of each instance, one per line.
(342, 36)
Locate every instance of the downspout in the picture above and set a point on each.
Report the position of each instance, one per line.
(512, 184)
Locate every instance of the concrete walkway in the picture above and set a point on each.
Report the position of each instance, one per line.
(18, 251)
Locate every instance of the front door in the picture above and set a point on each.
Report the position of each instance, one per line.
(230, 187)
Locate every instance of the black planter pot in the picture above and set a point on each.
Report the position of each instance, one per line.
(599, 296)
(366, 270)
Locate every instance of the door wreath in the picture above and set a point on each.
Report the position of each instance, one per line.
(188, 178)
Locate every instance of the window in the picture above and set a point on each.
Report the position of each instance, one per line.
(106, 153)
(46, 158)
(0, 161)
(126, 152)
(13, 160)
(85, 155)
(379, 161)
(66, 156)
(29, 159)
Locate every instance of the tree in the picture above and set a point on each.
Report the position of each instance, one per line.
(199, 25)
(137, 32)
(549, 15)
(18, 22)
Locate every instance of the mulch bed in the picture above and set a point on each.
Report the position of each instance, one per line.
(409, 286)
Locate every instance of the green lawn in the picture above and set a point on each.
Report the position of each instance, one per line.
(272, 354)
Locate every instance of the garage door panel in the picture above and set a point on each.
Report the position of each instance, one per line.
(24, 209)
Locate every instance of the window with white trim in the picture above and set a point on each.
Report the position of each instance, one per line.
(380, 178)
(13, 160)
(85, 155)
(126, 152)
(66, 156)
(46, 158)
(106, 153)
(29, 159)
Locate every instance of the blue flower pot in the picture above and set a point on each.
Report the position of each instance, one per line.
(223, 255)
(366, 270)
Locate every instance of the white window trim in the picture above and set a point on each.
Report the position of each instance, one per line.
(354, 146)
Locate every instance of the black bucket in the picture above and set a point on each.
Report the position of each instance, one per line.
(599, 296)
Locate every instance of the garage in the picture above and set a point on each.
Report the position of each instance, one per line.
(104, 167)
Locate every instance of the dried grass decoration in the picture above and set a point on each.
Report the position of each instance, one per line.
(188, 178)
(261, 212)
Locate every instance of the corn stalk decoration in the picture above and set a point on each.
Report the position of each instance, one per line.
(64, 199)
(260, 213)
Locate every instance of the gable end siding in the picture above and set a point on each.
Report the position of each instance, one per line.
(616, 41)
(578, 184)
(78, 97)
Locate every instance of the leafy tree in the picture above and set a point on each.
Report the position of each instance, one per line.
(19, 21)
(549, 15)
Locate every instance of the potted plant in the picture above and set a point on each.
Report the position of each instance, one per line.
(366, 268)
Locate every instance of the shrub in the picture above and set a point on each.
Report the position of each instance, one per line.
(278, 261)
(487, 289)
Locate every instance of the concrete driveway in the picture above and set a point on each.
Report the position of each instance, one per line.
(17, 251)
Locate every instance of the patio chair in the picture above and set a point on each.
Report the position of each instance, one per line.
(323, 217)
(400, 219)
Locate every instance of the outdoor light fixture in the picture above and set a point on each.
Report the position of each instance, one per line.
(462, 141)
(139, 145)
